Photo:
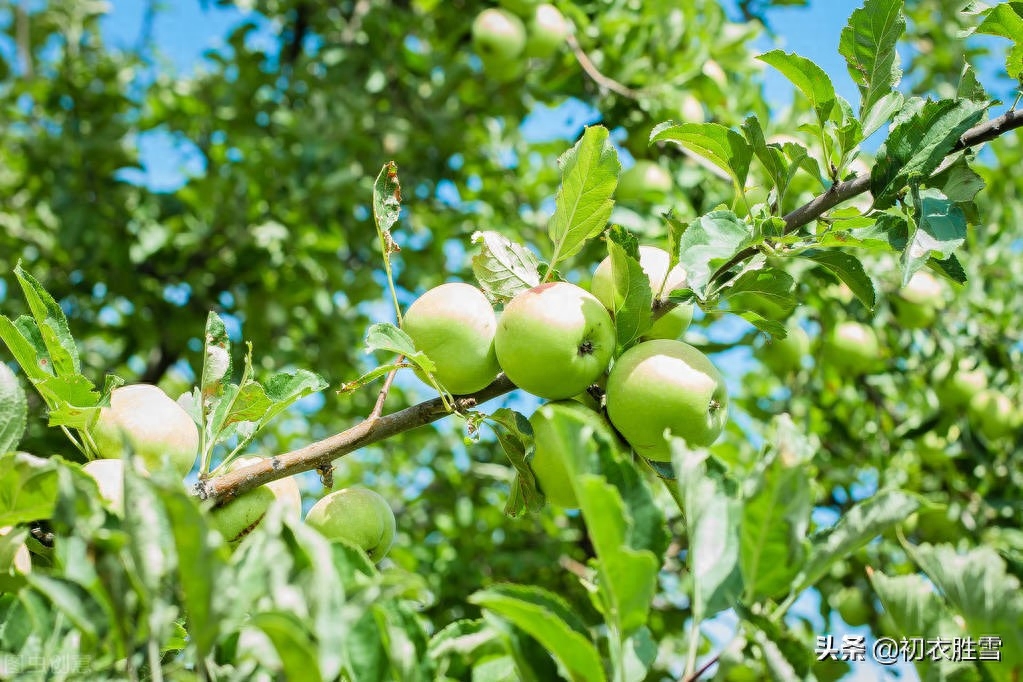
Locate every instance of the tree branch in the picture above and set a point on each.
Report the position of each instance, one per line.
(594, 73)
(223, 489)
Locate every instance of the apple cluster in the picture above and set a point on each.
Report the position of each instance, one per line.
(505, 37)
(559, 342)
(145, 421)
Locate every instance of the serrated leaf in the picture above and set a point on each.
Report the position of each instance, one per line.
(13, 410)
(52, 324)
(216, 364)
(861, 524)
(809, 79)
(770, 156)
(503, 268)
(516, 438)
(676, 228)
(386, 200)
(551, 621)
(775, 515)
(868, 43)
(28, 488)
(940, 230)
(34, 361)
(250, 404)
(631, 295)
(785, 655)
(712, 519)
(881, 112)
(951, 268)
(384, 336)
(970, 87)
(589, 176)
(709, 242)
(770, 285)
(958, 182)
(915, 605)
(462, 638)
(1006, 20)
(723, 147)
(916, 146)
(847, 268)
(292, 642)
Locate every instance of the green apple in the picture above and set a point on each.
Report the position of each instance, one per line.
(547, 31)
(501, 71)
(852, 347)
(143, 419)
(916, 305)
(454, 324)
(993, 413)
(498, 35)
(16, 562)
(852, 606)
(554, 340)
(645, 181)
(783, 356)
(666, 385)
(551, 453)
(654, 262)
(240, 516)
(960, 386)
(109, 477)
(358, 516)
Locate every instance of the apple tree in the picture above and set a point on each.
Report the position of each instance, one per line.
(511, 341)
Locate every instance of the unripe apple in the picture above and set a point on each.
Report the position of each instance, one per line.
(145, 419)
(551, 453)
(852, 606)
(654, 262)
(960, 386)
(993, 413)
(554, 340)
(454, 324)
(665, 384)
(645, 181)
(852, 347)
(240, 516)
(547, 31)
(358, 516)
(783, 356)
(109, 477)
(21, 562)
(915, 307)
(498, 35)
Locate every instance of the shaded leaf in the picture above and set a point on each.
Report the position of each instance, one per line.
(631, 295)
(28, 488)
(1006, 20)
(13, 409)
(809, 79)
(723, 147)
(503, 268)
(868, 43)
(516, 438)
(847, 268)
(709, 242)
(940, 230)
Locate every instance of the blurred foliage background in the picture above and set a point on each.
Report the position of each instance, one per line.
(273, 230)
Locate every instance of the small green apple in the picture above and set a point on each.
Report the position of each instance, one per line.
(666, 385)
(852, 606)
(645, 181)
(551, 453)
(498, 35)
(454, 324)
(554, 340)
(654, 262)
(960, 386)
(145, 419)
(783, 356)
(358, 516)
(916, 305)
(240, 516)
(109, 477)
(993, 413)
(547, 31)
(852, 347)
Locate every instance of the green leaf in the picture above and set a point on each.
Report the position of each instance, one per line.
(631, 295)
(776, 514)
(216, 364)
(916, 146)
(28, 488)
(723, 147)
(709, 242)
(861, 524)
(770, 156)
(915, 605)
(713, 514)
(809, 78)
(384, 336)
(847, 268)
(293, 644)
(250, 404)
(1006, 20)
(970, 87)
(950, 268)
(286, 388)
(74, 602)
(940, 230)
(516, 438)
(868, 43)
(589, 175)
(503, 268)
(881, 112)
(33, 358)
(13, 410)
(462, 638)
(386, 200)
(52, 324)
(786, 656)
(551, 621)
(958, 182)
(768, 285)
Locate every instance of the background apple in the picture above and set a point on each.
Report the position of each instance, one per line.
(547, 30)
(109, 477)
(852, 347)
(664, 384)
(915, 305)
(993, 413)
(455, 325)
(554, 340)
(852, 606)
(358, 516)
(654, 262)
(645, 181)
(960, 385)
(144, 418)
(498, 35)
(783, 356)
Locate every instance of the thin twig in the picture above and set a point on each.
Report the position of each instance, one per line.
(594, 73)
(704, 668)
(378, 409)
